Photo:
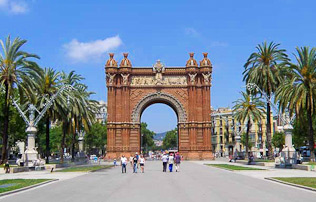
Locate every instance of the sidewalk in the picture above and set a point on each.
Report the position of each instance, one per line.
(46, 174)
(261, 174)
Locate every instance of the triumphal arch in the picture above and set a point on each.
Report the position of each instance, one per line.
(185, 89)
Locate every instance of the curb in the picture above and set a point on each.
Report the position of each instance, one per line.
(26, 188)
(260, 169)
(291, 184)
(92, 171)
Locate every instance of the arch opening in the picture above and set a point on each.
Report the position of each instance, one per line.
(159, 128)
(159, 97)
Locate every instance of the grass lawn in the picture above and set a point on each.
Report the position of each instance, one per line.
(13, 184)
(305, 181)
(233, 167)
(84, 168)
(312, 163)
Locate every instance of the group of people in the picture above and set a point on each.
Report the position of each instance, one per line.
(137, 161)
(170, 159)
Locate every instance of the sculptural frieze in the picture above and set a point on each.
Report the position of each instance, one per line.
(192, 78)
(207, 78)
(158, 80)
(125, 78)
(110, 78)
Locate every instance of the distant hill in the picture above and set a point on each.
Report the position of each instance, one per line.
(159, 136)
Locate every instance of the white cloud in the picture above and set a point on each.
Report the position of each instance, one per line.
(13, 6)
(191, 32)
(82, 51)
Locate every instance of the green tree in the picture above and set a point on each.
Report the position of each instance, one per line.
(300, 130)
(170, 140)
(278, 140)
(298, 92)
(147, 136)
(15, 69)
(46, 85)
(248, 109)
(96, 137)
(263, 68)
(246, 142)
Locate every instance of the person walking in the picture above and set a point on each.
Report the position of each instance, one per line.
(164, 159)
(135, 162)
(123, 163)
(7, 167)
(131, 160)
(171, 162)
(142, 163)
(177, 162)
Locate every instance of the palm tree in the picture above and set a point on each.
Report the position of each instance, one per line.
(298, 92)
(248, 109)
(46, 85)
(15, 72)
(263, 68)
(80, 111)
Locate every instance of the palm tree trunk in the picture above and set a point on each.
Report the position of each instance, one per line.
(247, 139)
(311, 132)
(269, 145)
(74, 140)
(4, 152)
(47, 139)
(63, 142)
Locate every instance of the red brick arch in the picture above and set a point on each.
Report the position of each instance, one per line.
(185, 89)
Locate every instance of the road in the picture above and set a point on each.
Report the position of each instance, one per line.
(195, 182)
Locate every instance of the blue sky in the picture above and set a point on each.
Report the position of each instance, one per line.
(77, 35)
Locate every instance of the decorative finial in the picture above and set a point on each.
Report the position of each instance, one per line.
(111, 62)
(191, 62)
(125, 62)
(205, 62)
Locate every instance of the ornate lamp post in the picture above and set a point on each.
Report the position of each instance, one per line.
(31, 157)
(287, 126)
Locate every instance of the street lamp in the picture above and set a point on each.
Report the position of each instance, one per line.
(31, 155)
(287, 126)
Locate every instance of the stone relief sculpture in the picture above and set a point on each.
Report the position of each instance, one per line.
(192, 78)
(158, 80)
(110, 78)
(207, 77)
(125, 78)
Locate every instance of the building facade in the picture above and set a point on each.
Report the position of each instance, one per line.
(101, 116)
(225, 129)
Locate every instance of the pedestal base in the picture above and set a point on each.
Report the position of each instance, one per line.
(31, 158)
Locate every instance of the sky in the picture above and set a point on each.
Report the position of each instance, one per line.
(78, 35)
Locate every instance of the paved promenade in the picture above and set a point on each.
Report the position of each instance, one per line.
(195, 182)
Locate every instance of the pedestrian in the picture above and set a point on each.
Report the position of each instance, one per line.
(114, 162)
(235, 155)
(137, 158)
(171, 161)
(135, 162)
(164, 159)
(123, 163)
(177, 162)
(142, 163)
(7, 167)
(131, 160)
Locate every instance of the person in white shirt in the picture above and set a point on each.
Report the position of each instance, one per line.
(131, 160)
(171, 161)
(164, 159)
(123, 163)
(142, 163)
